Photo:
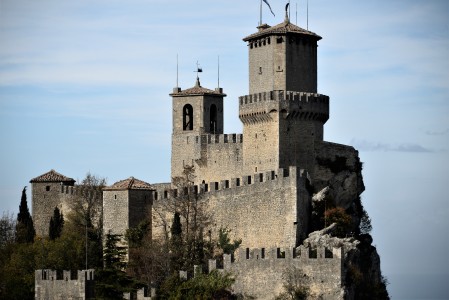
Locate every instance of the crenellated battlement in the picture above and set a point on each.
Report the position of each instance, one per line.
(306, 106)
(299, 256)
(211, 187)
(64, 275)
(80, 190)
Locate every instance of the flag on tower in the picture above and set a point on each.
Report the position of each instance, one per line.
(266, 1)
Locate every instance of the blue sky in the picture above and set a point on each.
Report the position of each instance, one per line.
(84, 87)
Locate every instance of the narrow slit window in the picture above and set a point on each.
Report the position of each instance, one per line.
(187, 117)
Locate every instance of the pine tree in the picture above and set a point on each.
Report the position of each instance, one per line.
(24, 228)
(56, 224)
(176, 244)
(112, 281)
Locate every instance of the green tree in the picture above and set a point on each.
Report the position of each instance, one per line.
(24, 227)
(56, 224)
(176, 245)
(112, 281)
(224, 242)
(205, 286)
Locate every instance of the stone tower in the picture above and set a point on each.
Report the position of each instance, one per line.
(283, 116)
(125, 204)
(46, 195)
(196, 111)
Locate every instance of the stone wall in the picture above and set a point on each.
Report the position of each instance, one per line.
(265, 208)
(49, 286)
(283, 62)
(214, 155)
(124, 209)
(261, 272)
(48, 195)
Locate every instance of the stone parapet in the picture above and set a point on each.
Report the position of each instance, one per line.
(306, 106)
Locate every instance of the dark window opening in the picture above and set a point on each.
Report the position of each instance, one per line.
(187, 117)
(227, 184)
(247, 253)
(238, 182)
(165, 194)
(155, 195)
(313, 253)
(249, 179)
(47, 188)
(328, 253)
(262, 253)
(213, 118)
(280, 254)
(279, 40)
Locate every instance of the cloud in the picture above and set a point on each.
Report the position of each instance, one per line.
(364, 145)
(441, 132)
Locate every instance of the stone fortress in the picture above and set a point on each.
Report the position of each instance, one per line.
(260, 184)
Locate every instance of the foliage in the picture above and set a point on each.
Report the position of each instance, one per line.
(344, 221)
(211, 286)
(135, 235)
(112, 281)
(7, 230)
(56, 224)
(295, 285)
(365, 223)
(224, 242)
(24, 227)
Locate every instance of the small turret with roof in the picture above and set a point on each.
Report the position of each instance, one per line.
(126, 203)
(46, 195)
(282, 57)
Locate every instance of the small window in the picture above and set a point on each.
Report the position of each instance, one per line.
(47, 188)
(280, 253)
(247, 253)
(227, 184)
(279, 40)
(155, 195)
(249, 179)
(187, 117)
(166, 194)
(260, 70)
(238, 182)
(115, 196)
(262, 253)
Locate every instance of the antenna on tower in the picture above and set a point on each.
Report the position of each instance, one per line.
(296, 13)
(307, 14)
(218, 71)
(177, 71)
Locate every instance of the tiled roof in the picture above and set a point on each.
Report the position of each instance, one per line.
(197, 90)
(129, 184)
(281, 29)
(52, 176)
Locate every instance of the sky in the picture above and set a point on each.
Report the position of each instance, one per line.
(84, 88)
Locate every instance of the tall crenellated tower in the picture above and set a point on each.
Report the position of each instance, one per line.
(196, 111)
(283, 115)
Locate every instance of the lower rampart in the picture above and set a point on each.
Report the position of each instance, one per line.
(50, 284)
(262, 272)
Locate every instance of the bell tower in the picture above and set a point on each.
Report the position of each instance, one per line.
(196, 111)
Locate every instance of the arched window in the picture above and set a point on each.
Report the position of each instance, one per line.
(187, 117)
(213, 118)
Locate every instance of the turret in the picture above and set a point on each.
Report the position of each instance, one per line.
(283, 115)
(282, 57)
